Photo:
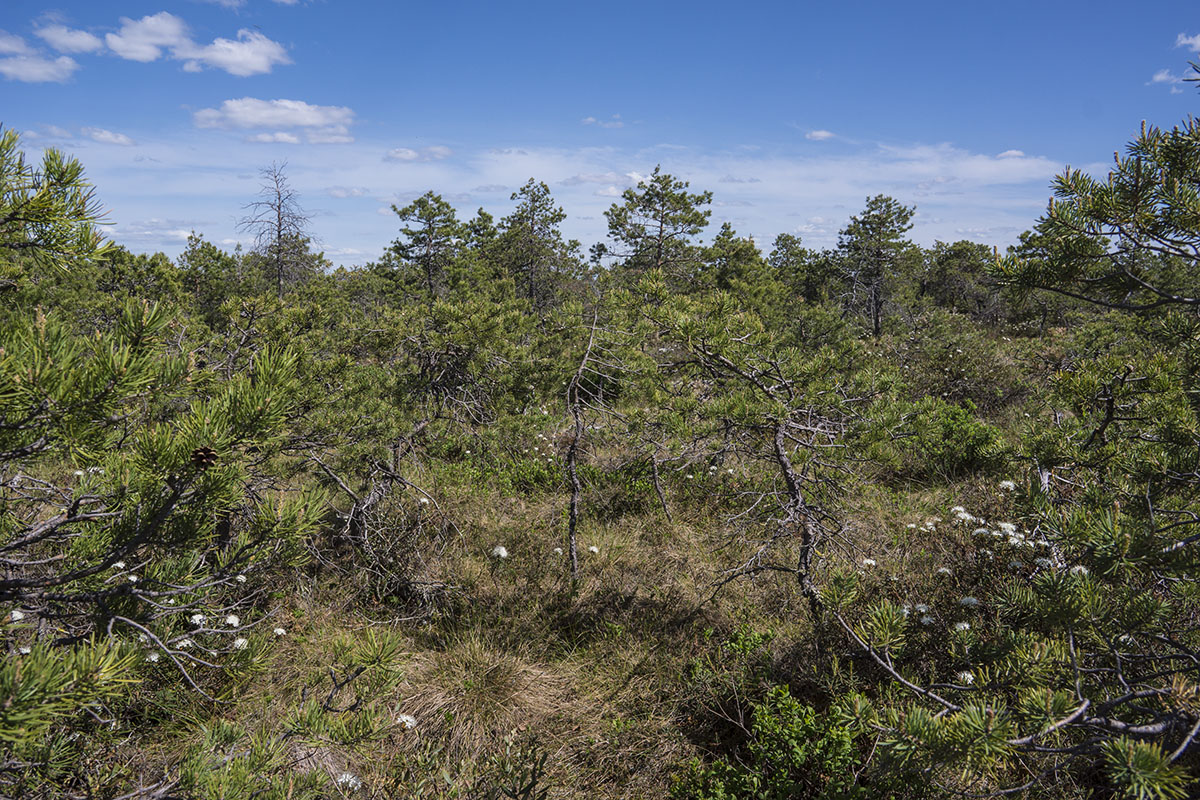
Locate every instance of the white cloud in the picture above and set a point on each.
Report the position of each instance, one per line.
(819, 135)
(145, 39)
(13, 45)
(279, 137)
(1011, 154)
(287, 2)
(250, 54)
(342, 192)
(57, 132)
(435, 153)
(608, 191)
(615, 122)
(107, 137)
(1168, 77)
(1190, 42)
(36, 69)
(69, 40)
(250, 112)
(227, 3)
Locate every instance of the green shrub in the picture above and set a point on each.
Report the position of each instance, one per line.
(791, 753)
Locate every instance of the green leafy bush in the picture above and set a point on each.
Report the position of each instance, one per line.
(791, 753)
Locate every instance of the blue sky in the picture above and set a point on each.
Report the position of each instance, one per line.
(791, 113)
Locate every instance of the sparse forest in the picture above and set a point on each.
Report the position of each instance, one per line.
(676, 515)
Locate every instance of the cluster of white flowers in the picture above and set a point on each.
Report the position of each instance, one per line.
(24, 650)
(198, 619)
(118, 565)
(926, 620)
(963, 517)
(868, 562)
(921, 608)
(1008, 486)
(968, 601)
(240, 578)
(406, 722)
(424, 501)
(1044, 563)
(153, 658)
(280, 631)
(132, 578)
(944, 571)
(183, 644)
(593, 549)
(965, 677)
(962, 626)
(1079, 569)
(232, 620)
(500, 552)
(240, 643)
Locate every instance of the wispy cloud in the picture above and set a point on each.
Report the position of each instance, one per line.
(613, 122)
(819, 135)
(321, 124)
(435, 153)
(38, 69)
(149, 38)
(69, 40)
(107, 137)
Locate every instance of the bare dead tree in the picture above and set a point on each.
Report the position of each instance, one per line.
(279, 225)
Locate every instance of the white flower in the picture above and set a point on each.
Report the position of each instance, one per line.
(868, 562)
(280, 631)
(969, 602)
(152, 658)
(1007, 527)
(905, 611)
(424, 502)
(16, 616)
(240, 578)
(1008, 486)
(926, 620)
(198, 619)
(958, 510)
(593, 549)
(1079, 569)
(981, 532)
(406, 722)
(558, 551)
(240, 643)
(962, 626)
(118, 565)
(912, 526)
(349, 781)
(78, 473)
(170, 601)
(966, 677)
(922, 608)
(232, 620)
(24, 651)
(944, 571)
(690, 476)
(183, 644)
(133, 578)
(499, 551)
